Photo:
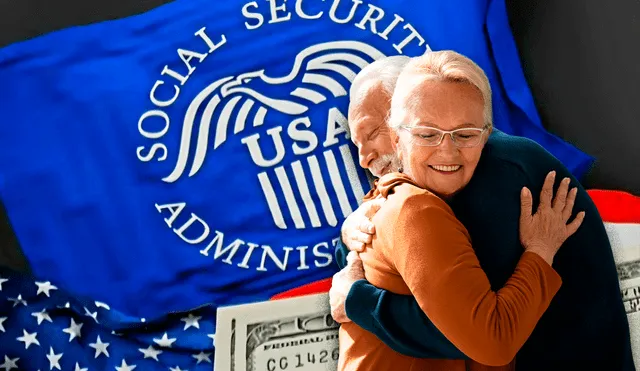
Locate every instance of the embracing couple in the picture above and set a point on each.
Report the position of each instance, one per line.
(475, 250)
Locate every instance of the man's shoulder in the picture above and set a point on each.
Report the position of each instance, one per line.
(508, 163)
(516, 158)
(520, 152)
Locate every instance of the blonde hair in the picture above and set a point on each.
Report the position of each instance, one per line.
(446, 66)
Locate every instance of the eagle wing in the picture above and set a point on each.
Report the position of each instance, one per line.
(342, 58)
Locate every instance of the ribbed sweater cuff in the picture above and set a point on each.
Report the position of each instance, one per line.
(361, 302)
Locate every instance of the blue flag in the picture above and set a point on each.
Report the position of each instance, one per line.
(44, 328)
(197, 153)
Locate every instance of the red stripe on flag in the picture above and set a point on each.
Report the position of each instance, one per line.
(317, 287)
(616, 206)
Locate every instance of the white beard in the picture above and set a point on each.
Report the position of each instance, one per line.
(383, 165)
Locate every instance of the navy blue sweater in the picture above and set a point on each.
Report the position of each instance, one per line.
(585, 325)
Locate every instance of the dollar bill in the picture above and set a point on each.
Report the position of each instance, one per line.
(224, 341)
(290, 334)
(625, 244)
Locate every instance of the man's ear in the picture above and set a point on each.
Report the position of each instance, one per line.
(394, 139)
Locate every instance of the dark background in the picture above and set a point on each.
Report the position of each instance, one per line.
(580, 57)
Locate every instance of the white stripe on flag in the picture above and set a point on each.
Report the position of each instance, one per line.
(272, 200)
(352, 173)
(336, 180)
(301, 181)
(322, 191)
(291, 199)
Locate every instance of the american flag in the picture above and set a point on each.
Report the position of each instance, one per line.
(42, 327)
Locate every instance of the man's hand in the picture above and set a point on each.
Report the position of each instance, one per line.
(357, 229)
(341, 284)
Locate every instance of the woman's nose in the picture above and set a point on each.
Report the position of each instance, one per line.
(447, 144)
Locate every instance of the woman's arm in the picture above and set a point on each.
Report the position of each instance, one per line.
(437, 262)
(395, 319)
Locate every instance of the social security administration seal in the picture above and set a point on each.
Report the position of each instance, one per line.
(245, 138)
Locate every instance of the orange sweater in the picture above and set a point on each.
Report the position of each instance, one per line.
(421, 249)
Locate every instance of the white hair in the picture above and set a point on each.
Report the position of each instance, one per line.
(446, 66)
(385, 70)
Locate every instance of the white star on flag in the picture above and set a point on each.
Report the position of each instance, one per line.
(73, 330)
(164, 341)
(54, 359)
(36, 333)
(191, 321)
(202, 357)
(125, 367)
(28, 339)
(150, 352)
(18, 300)
(45, 287)
(9, 363)
(100, 347)
(42, 316)
(213, 338)
(2, 280)
(93, 315)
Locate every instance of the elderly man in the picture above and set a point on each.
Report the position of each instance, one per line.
(585, 325)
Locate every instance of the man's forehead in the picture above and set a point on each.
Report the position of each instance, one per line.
(363, 124)
(374, 101)
(367, 117)
(371, 109)
(373, 89)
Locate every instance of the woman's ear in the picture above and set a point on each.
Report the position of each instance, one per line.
(489, 131)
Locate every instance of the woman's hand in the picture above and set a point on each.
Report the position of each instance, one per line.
(545, 231)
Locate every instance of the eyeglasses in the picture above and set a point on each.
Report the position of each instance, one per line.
(430, 137)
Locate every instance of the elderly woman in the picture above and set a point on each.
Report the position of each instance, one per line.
(441, 117)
